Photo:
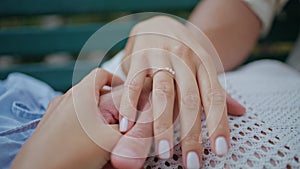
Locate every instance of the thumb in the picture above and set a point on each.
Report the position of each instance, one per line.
(104, 153)
(132, 149)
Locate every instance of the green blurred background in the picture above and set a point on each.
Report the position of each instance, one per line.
(43, 38)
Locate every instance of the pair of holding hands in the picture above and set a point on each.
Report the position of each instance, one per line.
(71, 134)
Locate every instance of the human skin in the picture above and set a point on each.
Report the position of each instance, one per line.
(228, 21)
(135, 148)
(60, 136)
(60, 140)
(232, 27)
(233, 30)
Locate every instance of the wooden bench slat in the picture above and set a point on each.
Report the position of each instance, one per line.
(39, 41)
(33, 7)
(58, 76)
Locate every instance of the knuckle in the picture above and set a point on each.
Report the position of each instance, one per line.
(203, 59)
(161, 127)
(161, 17)
(216, 96)
(133, 85)
(163, 87)
(191, 100)
(182, 50)
(138, 132)
(187, 54)
(141, 54)
(139, 27)
(97, 71)
(128, 110)
(154, 20)
(192, 139)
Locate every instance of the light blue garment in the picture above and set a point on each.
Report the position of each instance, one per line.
(23, 101)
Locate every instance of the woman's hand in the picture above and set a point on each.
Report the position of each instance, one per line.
(162, 42)
(61, 139)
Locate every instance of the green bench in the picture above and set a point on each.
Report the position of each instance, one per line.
(29, 43)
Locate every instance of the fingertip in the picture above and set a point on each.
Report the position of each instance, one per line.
(123, 124)
(242, 110)
(234, 107)
(221, 145)
(220, 137)
(164, 149)
(192, 160)
(126, 162)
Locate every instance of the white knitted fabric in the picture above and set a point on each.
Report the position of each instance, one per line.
(268, 135)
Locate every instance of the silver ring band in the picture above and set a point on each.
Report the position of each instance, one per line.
(169, 70)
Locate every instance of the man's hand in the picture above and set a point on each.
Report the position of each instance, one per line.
(63, 139)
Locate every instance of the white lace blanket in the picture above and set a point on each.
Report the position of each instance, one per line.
(268, 135)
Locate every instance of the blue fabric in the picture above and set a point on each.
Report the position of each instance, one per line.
(23, 101)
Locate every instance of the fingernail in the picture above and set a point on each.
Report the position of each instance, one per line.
(164, 149)
(192, 160)
(221, 146)
(124, 124)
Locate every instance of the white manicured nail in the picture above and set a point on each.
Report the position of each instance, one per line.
(164, 149)
(221, 146)
(124, 124)
(192, 160)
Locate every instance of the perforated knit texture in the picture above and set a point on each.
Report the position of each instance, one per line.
(268, 135)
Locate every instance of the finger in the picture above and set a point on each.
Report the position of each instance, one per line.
(103, 77)
(214, 102)
(190, 116)
(109, 105)
(110, 102)
(212, 95)
(163, 103)
(100, 77)
(132, 149)
(233, 107)
(192, 143)
(130, 44)
(111, 80)
(86, 98)
(126, 60)
(132, 90)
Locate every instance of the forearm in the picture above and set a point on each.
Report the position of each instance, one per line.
(230, 25)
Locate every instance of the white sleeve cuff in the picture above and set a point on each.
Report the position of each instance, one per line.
(266, 11)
